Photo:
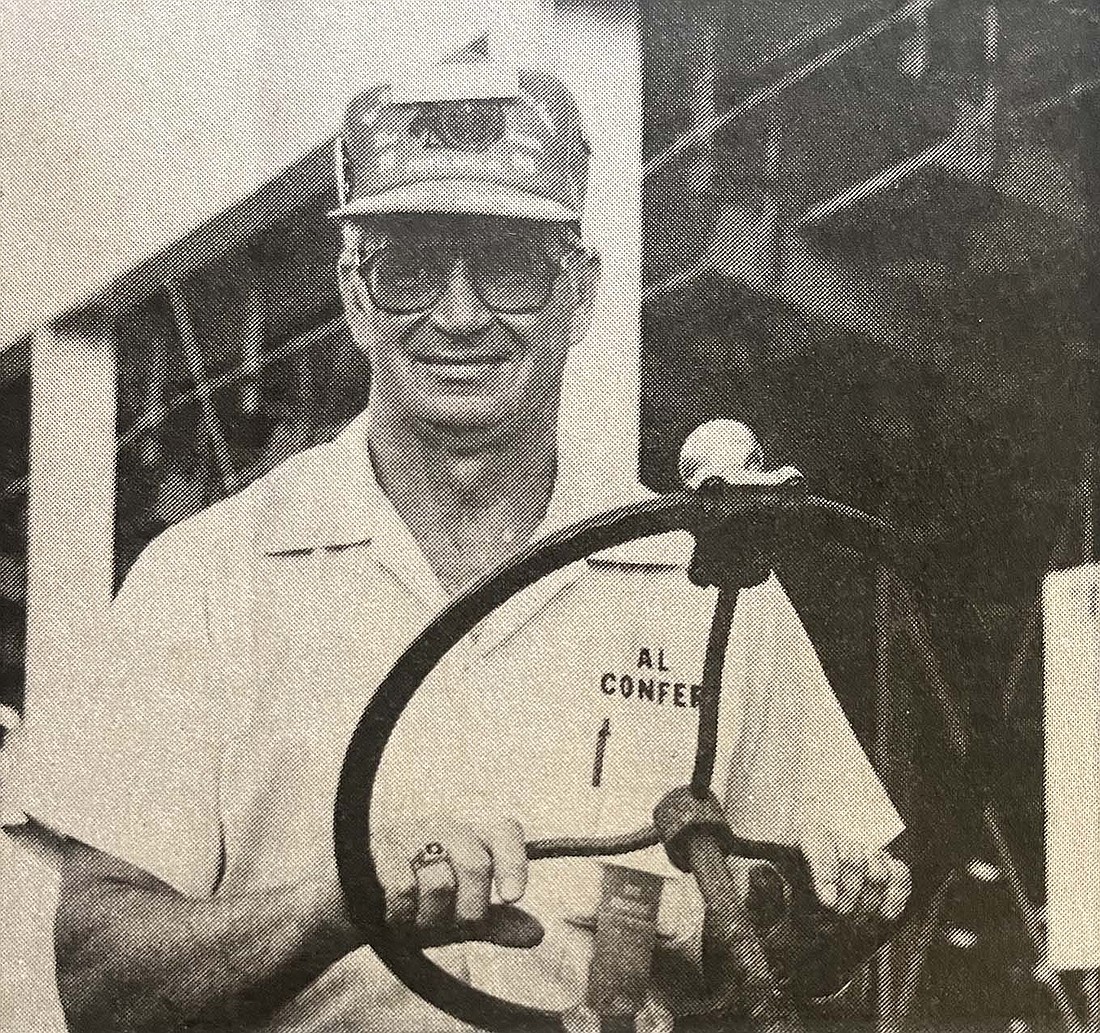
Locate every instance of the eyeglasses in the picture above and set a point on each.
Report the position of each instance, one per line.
(510, 277)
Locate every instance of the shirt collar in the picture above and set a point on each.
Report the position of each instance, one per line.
(328, 496)
(325, 496)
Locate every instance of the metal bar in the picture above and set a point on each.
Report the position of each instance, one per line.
(192, 354)
(969, 131)
(910, 165)
(914, 163)
(875, 184)
(915, 8)
(234, 376)
(1043, 106)
(807, 35)
(1033, 925)
(675, 282)
(957, 734)
(880, 181)
(713, 665)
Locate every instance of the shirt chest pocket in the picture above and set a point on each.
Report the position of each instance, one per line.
(651, 723)
(323, 629)
(329, 623)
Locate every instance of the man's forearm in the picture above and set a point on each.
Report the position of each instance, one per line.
(156, 960)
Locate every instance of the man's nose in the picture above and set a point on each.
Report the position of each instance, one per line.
(459, 311)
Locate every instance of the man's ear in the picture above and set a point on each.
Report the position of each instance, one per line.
(588, 284)
(347, 277)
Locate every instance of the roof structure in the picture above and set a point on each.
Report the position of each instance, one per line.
(128, 127)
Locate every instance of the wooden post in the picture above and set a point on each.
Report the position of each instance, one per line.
(70, 506)
(597, 51)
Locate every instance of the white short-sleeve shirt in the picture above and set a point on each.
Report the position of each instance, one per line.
(247, 641)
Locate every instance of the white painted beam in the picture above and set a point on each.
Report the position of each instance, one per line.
(598, 53)
(70, 508)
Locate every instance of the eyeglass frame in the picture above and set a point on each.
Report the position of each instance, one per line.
(556, 265)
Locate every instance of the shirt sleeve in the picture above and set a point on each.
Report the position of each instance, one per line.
(131, 764)
(797, 760)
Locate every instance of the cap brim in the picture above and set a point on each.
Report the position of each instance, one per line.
(458, 197)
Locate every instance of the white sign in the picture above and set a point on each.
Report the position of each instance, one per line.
(1071, 677)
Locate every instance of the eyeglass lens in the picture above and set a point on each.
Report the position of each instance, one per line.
(509, 276)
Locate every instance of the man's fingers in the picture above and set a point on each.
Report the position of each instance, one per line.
(853, 881)
(445, 889)
(435, 900)
(852, 866)
(873, 896)
(473, 869)
(502, 924)
(508, 926)
(508, 848)
(898, 889)
(398, 882)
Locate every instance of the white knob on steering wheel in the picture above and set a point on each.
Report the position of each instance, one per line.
(730, 451)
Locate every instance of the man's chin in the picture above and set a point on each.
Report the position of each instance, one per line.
(468, 423)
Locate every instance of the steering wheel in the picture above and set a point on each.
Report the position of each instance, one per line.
(737, 529)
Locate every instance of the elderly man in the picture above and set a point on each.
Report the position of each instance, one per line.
(196, 783)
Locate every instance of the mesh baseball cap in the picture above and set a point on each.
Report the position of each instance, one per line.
(474, 138)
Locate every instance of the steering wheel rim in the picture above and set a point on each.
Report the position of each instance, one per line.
(694, 512)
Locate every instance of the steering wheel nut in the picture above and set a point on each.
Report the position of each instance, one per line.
(680, 813)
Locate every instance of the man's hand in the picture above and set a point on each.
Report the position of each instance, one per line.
(438, 875)
(852, 880)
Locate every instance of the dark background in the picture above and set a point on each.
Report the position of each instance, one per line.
(934, 363)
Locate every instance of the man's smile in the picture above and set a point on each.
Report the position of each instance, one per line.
(458, 364)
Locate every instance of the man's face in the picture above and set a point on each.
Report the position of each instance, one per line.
(458, 362)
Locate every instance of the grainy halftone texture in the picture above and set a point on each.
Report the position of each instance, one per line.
(868, 233)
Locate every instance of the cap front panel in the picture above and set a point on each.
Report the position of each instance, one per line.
(529, 143)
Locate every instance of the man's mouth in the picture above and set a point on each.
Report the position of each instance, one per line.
(460, 360)
(460, 365)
